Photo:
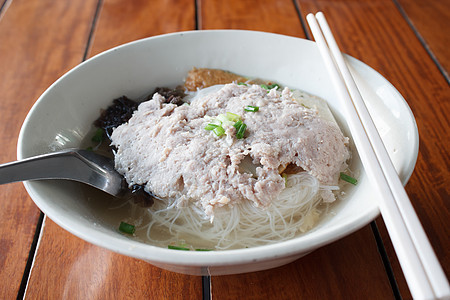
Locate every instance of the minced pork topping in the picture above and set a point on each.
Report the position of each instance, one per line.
(166, 147)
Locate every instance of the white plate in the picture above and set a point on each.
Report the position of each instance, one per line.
(63, 115)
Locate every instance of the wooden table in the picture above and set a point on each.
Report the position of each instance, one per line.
(407, 41)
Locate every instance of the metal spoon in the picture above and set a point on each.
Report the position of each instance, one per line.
(72, 164)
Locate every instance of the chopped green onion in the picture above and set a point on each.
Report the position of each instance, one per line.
(251, 108)
(211, 126)
(348, 178)
(240, 129)
(242, 83)
(219, 131)
(238, 124)
(127, 228)
(222, 118)
(285, 179)
(203, 249)
(178, 248)
(98, 135)
(270, 86)
(240, 132)
(228, 117)
(233, 117)
(304, 106)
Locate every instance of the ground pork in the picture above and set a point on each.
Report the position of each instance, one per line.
(166, 148)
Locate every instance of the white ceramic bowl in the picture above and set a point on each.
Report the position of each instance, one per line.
(63, 115)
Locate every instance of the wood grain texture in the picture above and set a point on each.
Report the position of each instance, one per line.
(262, 15)
(32, 56)
(281, 17)
(430, 18)
(42, 39)
(121, 21)
(67, 267)
(376, 33)
(342, 270)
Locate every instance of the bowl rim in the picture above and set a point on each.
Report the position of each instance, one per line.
(214, 258)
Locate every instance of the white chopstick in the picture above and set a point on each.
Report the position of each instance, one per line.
(424, 275)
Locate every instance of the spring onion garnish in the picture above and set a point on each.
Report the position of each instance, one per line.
(218, 123)
(178, 248)
(211, 126)
(229, 119)
(242, 83)
(251, 108)
(233, 117)
(348, 178)
(98, 135)
(226, 119)
(185, 248)
(275, 85)
(240, 131)
(127, 228)
(285, 179)
(270, 86)
(238, 124)
(219, 131)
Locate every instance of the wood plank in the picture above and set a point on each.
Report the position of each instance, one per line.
(31, 57)
(431, 20)
(265, 15)
(281, 17)
(69, 268)
(73, 267)
(121, 22)
(376, 33)
(339, 270)
(366, 33)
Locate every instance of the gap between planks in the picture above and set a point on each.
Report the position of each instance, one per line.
(41, 221)
(31, 256)
(422, 41)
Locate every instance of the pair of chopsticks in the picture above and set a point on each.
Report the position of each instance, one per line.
(423, 273)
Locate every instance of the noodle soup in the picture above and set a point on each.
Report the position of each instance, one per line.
(215, 186)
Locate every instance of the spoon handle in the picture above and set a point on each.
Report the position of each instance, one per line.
(46, 166)
(72, 164)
